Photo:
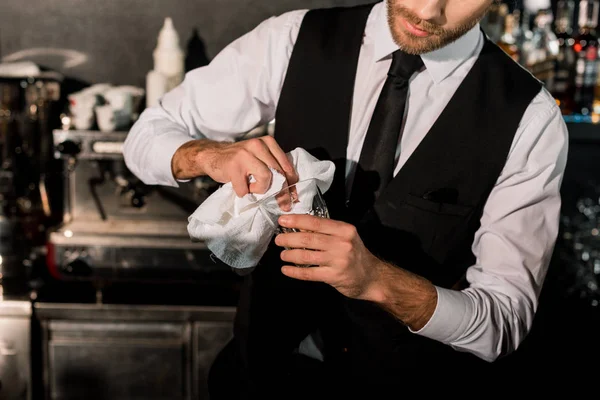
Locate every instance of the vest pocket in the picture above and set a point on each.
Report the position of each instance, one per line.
(431, 227)
(437, 207)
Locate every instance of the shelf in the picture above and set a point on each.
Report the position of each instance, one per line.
(582, 130)
(579, 119)
(91, 144)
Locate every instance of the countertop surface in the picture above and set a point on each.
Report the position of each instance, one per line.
(14, 300)
(25, 297)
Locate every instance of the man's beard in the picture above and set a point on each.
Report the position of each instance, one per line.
(438, 38)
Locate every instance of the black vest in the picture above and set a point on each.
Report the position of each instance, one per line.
(462, 155)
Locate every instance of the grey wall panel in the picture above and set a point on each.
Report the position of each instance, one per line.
(112, 40)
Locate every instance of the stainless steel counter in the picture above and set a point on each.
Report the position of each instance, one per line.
(126, 312)
(15, 348)
(111, 351)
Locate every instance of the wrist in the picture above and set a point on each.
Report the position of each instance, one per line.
(176, 164)
(377, 291)
(422, 314)
(410, 298)
(190, 160)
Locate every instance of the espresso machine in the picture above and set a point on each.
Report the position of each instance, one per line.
(117, 229)
(29, 109)
(29, 204)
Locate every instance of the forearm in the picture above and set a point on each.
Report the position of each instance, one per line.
(222, 101)
(412, 299)
(193, 158)
(476, 320)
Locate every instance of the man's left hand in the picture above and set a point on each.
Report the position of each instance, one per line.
(336, 251)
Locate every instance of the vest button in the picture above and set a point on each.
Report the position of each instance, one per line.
(347, 203)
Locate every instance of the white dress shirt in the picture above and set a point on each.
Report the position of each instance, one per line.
(240, 89)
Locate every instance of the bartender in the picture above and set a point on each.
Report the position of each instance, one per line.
(444, 207)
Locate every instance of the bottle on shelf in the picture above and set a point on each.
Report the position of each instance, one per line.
(493, 21)
(564, 78)
(596, 104)
(169, 68)
(586, 50)
(524, 34)
(517, 29)
(544, 49)
(508, 41)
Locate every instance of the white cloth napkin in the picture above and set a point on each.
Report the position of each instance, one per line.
(238, 230)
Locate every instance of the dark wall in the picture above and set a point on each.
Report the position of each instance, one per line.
(112, 40)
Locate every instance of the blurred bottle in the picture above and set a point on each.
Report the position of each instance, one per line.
(516, 24)
(564, 79)
(541, 58)
(507, 41)
(493, 21)
(169, 64)
(524, 34)
(586, 49)
(596, 103)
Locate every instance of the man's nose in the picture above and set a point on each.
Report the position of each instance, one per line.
(431, 10)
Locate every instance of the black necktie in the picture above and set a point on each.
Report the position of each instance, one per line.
(376, 165)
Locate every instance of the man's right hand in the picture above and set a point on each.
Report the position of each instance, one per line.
(234, 162)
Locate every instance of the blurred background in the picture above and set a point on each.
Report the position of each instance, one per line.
(103, 295)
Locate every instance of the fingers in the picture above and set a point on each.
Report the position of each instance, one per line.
(285, 200)
(261, 151)
(239, 182)
(305, 257)
(255, 157)
(268, 152)
(282, 159)
(305, 240)
(320, 274)
(317, 224)
(261, 173)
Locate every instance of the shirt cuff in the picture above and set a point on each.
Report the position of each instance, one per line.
(450, 318)
(164, 148)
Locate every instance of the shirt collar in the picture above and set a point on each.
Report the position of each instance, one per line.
(439, 63)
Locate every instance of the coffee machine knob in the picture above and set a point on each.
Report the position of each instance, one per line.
(138, 200)
(69, 148)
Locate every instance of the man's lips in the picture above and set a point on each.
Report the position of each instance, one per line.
(414, 30)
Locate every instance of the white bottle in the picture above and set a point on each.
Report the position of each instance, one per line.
(533, 6)
(169, 67)
(156, 87)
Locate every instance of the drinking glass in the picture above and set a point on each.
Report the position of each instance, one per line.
(303, 197)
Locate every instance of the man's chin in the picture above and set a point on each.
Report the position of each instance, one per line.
(415, 45)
